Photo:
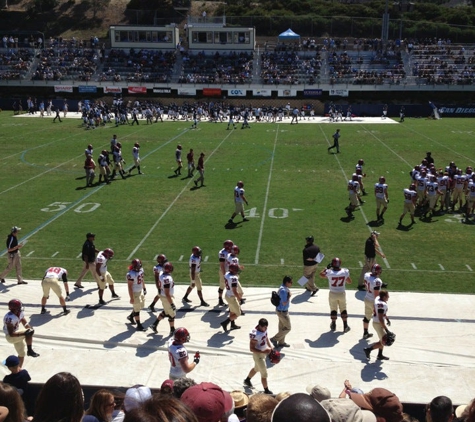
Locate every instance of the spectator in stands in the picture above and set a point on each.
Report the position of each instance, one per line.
(260, 408)
(11, 400)
(344, 410)
(208, 402)
(60, 399)
(466, 412)
(18, 377)
(161, 408)
(135, 396)
(181, 385)
(300, 407)
(440, 409)
(383, 403)
(101, 407)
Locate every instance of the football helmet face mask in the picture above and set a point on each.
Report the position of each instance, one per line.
(136, 264)
(196, 251)
(235, 250)
(336, 263)
(240, 184)
(234, 268)
(376, 270)
(168, 268)
(137, 145)
(15, 306)
(181, 335)
(382, 180)
(228, 244)
(412, 187)
(161, 259)
(108, 253)
(274, 357)
(361, 162)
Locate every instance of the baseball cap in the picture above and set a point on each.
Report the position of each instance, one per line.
(167, 384)
(318, 392)
(91, 234)
(241, 399)
(309, 238)
(206, 400)
(382, 403)
(300, 407)
(343, 410)
(11, 361)
(136, 395)
(374, 232)
(15, 229)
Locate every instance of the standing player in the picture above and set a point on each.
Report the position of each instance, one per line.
(89, 167)
(89, 150)
(195, 119)
(402, 114)
(51, 282)
(282, 311)
(136, 156)
(191, 163)
(103, 276)
(433, 194)
(380, 324)
(245, 120)
(239, 200)
(137, 290)
(444, 186)
(167, 290)
(460, 183)
(178, 355)
(260, 346)
(195, 278)
(336, 142)
(118, 161)
(177, 171)
(470, 198)
(222, 255)
(337, 279)
(19, 338)
(233, 258)
(385, 111)
(232, 297)
(231, 119)
(201, 170)
(353, 188)
(410, 198)
(371, 248)
(157, 270)
(348, 113)
(382, 198)
(113, 143)
(421, 182)
(310, 253)
(104, 168)
(373, 286)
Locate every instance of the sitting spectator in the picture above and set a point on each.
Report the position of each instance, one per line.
(161, 408)
(382, 403)
(466, 412)
(345, 410)
(318, 393)
(101, 407)
(300, 407)
(135, 396)
(60, 399)
(440, 409)
(11, 400)
(18, 377)
(241, 400)
(260, 408)
(167, 387)
(181, 385)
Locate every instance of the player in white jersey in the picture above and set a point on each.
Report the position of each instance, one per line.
(231, 280)
(103, 276)
(373, 285)
(470, 197)
(195, 277)
(353, 188)
(222, 255)
(444, 186)
(178, 355)
(233, 258)
(410, 198)
(157, 270)
(16, 336)
(137, 292)
(421, 183)
(89, 150)
(136, 156)
(166, 291)
(118, 161)
(337, 279)
(239, 200)
(51, 281)
(433, 194)
(260, 346)
(382, 197)
(177, 171)
(460, 183)
(380, 324)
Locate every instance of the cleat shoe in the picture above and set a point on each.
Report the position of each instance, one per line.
(367, 335)
(115, 296)
(230, 221)
(2, 280)
(140, 327)
(185, 299)
(66, 312)
(274, 342)
(154, 328)
(248, 383)
(267, 391)
(172, 331)
(195, 182)
(102, 302)
(225, 326)
(382, 357)
(151, 308)
(221, 302)
(333, 326)
(203, 303)
(43, 311)
(235, 327)
(367, 352)
(131, 320)
(32, 353)
(314, 292)
(22, 282)
(245, 219)
(346, 329)
(78, 287)
(283, 345)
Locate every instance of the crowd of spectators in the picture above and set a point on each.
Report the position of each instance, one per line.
(218, 68)
(15, 63)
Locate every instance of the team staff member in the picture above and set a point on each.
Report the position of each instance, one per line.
(380, 324)
(137, 290)
(103, 276)
(260, 347)
(89, 257)
(283, 313)
(337, 279)
(195, 278)
(14, 256)
(371, 248)
(19, 338)
(178, 355)
(239, 200)
(201, 170)
(51, 281)
(310, 252)
(336, 142)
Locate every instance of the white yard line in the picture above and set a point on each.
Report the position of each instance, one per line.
(261, 229)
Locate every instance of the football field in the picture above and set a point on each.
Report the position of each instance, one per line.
(295, 188)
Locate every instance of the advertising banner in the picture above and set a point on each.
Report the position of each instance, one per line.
(212, 92)
(286, 92)
(112, 90)
(339, 92)
(137, 90)
(262, 92)
(236, 92)
(158, 90)
(312, 92)
(186, 91)
(63, 88)
(87, 88)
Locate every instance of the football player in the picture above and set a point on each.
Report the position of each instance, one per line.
(337, 277)
(16, 336)
(444, 186)
(433, 193)
(382, 199)
(177, 171)
(191, 162)
(137, 292)
(201, 170)
(51, 281)
(118, 161)
(239, 200)
(470, 197)
(157, 270)
(195, 278)
(136, 156)
(178, 355)
(89, 167)
(222, 255)
(410, 198)
(103, 276)
(460, 182)
(232, 297)
(353, 189)
(380, 324)
(233, 258)
(167, 291)
(104, 168)
(373, 285)
(421, 183)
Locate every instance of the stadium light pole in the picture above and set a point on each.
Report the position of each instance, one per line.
(385, 29)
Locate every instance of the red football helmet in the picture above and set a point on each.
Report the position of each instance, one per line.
(105, 152)
(240, 184)
(119, 145)
(137, 145)
(412, 187)
(417, 168)
(234, 268)
(376, 269)
(108, 253)
(15, 306)
(168, 267)
(361, 162)
(136, 264)
(196, 251)
(161, 259)
(468, 170)
(336, 263)
(181, 335)
(274, 357)
(382, 179)
(228, 244)
(235, 250)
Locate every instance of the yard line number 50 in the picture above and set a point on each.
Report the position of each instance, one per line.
(60, 206)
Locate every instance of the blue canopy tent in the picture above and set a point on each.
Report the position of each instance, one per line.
(289, 35)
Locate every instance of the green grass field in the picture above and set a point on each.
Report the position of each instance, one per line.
(294, 187)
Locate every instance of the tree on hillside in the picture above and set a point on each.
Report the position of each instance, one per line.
(97, 6)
